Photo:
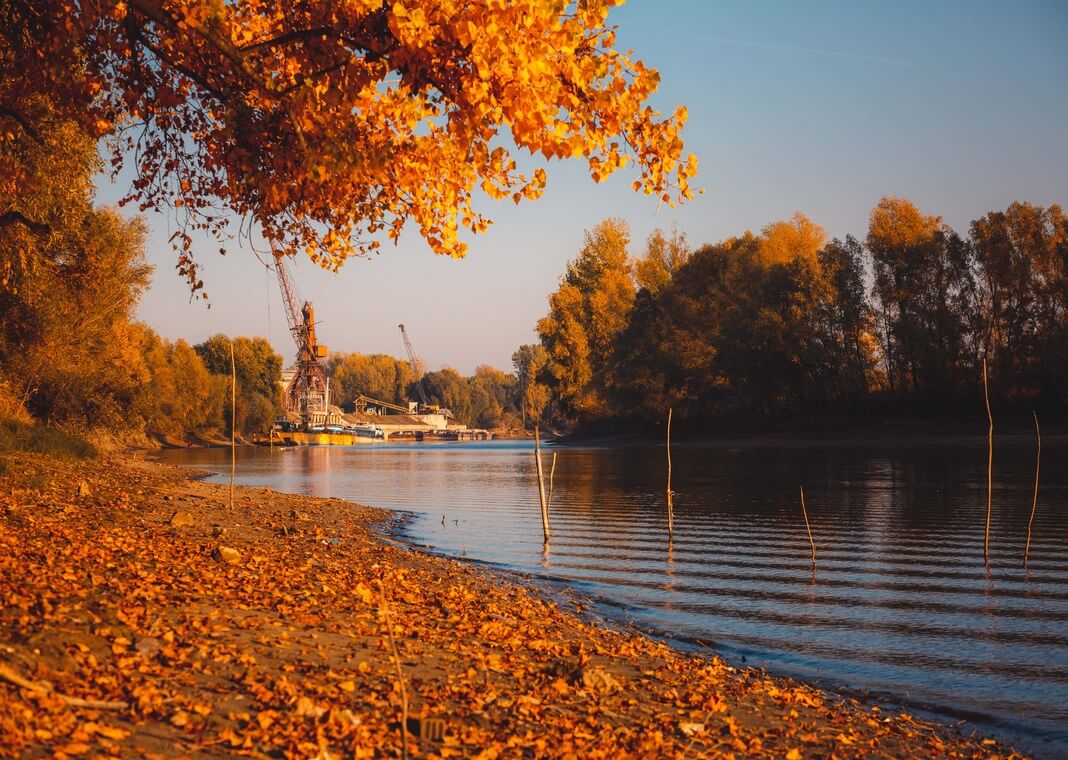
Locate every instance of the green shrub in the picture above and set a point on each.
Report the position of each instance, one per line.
(18, 436)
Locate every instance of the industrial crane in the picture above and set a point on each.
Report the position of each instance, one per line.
(415, 368)
(308, 393)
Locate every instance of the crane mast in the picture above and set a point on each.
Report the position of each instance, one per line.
(415, 366)
(308, 393)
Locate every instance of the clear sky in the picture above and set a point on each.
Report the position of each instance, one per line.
(819, 107)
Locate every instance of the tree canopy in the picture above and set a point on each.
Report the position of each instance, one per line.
(327, 123)
(786, 326)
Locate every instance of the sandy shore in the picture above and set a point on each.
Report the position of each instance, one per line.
(143, 617)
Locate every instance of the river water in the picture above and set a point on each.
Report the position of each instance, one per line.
(900, 605)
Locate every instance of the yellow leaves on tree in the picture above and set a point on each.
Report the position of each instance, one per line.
(351, 117)
(790, 239)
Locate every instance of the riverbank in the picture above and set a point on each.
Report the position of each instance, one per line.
(192, 629)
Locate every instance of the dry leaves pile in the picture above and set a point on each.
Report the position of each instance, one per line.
(278, 648)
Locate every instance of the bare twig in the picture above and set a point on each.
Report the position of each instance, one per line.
(1034, 499)
(93, 704)
(989, 465)
(808, 527)
(400, 672)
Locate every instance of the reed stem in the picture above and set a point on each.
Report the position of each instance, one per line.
(808, 528)
(1034, 499)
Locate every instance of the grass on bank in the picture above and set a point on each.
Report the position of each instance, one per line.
(41, 439)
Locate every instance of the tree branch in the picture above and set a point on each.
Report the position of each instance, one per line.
(12, 217)
(154, 10)
(22, 122)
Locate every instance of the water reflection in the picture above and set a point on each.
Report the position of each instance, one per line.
(899, 601)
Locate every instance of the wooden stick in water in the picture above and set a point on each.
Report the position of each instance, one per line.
(233, 422)
(552, 471)
(989, 465)
(541, 487)
(808, 528)
(670, 504)
(1034, 500)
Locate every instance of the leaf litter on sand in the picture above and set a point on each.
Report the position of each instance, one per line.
(282, 650)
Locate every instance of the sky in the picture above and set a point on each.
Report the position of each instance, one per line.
(818, 107)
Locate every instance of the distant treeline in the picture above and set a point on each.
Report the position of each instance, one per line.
(487, 399)
(784, 326)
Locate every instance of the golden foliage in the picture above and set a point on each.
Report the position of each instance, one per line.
(328, 123)
(791, 239)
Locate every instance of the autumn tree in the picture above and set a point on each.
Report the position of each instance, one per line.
(922, 273)
(586, 314)
(529, 361)
(1022, 322)
(178, 396)
(664, 256)
(493, 396)
(848, 324)
(327, 123)
(379, 376)
(259, 373)
(69, 283)
(791, 239)
(449, 389)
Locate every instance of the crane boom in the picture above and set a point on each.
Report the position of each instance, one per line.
(289, 300)
(415, 366)
(308, 393)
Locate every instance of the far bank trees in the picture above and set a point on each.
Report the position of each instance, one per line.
(787, 326)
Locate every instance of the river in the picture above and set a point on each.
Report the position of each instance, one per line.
(900, 606)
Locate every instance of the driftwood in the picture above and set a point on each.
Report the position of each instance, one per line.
(93, 704)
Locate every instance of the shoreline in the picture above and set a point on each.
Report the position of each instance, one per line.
(281, 647)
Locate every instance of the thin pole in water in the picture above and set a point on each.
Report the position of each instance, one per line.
(541, 487)
(989, 465)
(808, 527)
(552, 471)
(233, 422)
(1034, 500)
(670, 504)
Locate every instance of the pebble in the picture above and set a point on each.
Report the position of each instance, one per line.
(181, 518)
(227, 554)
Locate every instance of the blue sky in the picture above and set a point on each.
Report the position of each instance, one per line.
(819, 107)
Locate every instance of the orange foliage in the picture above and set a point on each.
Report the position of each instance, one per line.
(327, 123)
(795, 238)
